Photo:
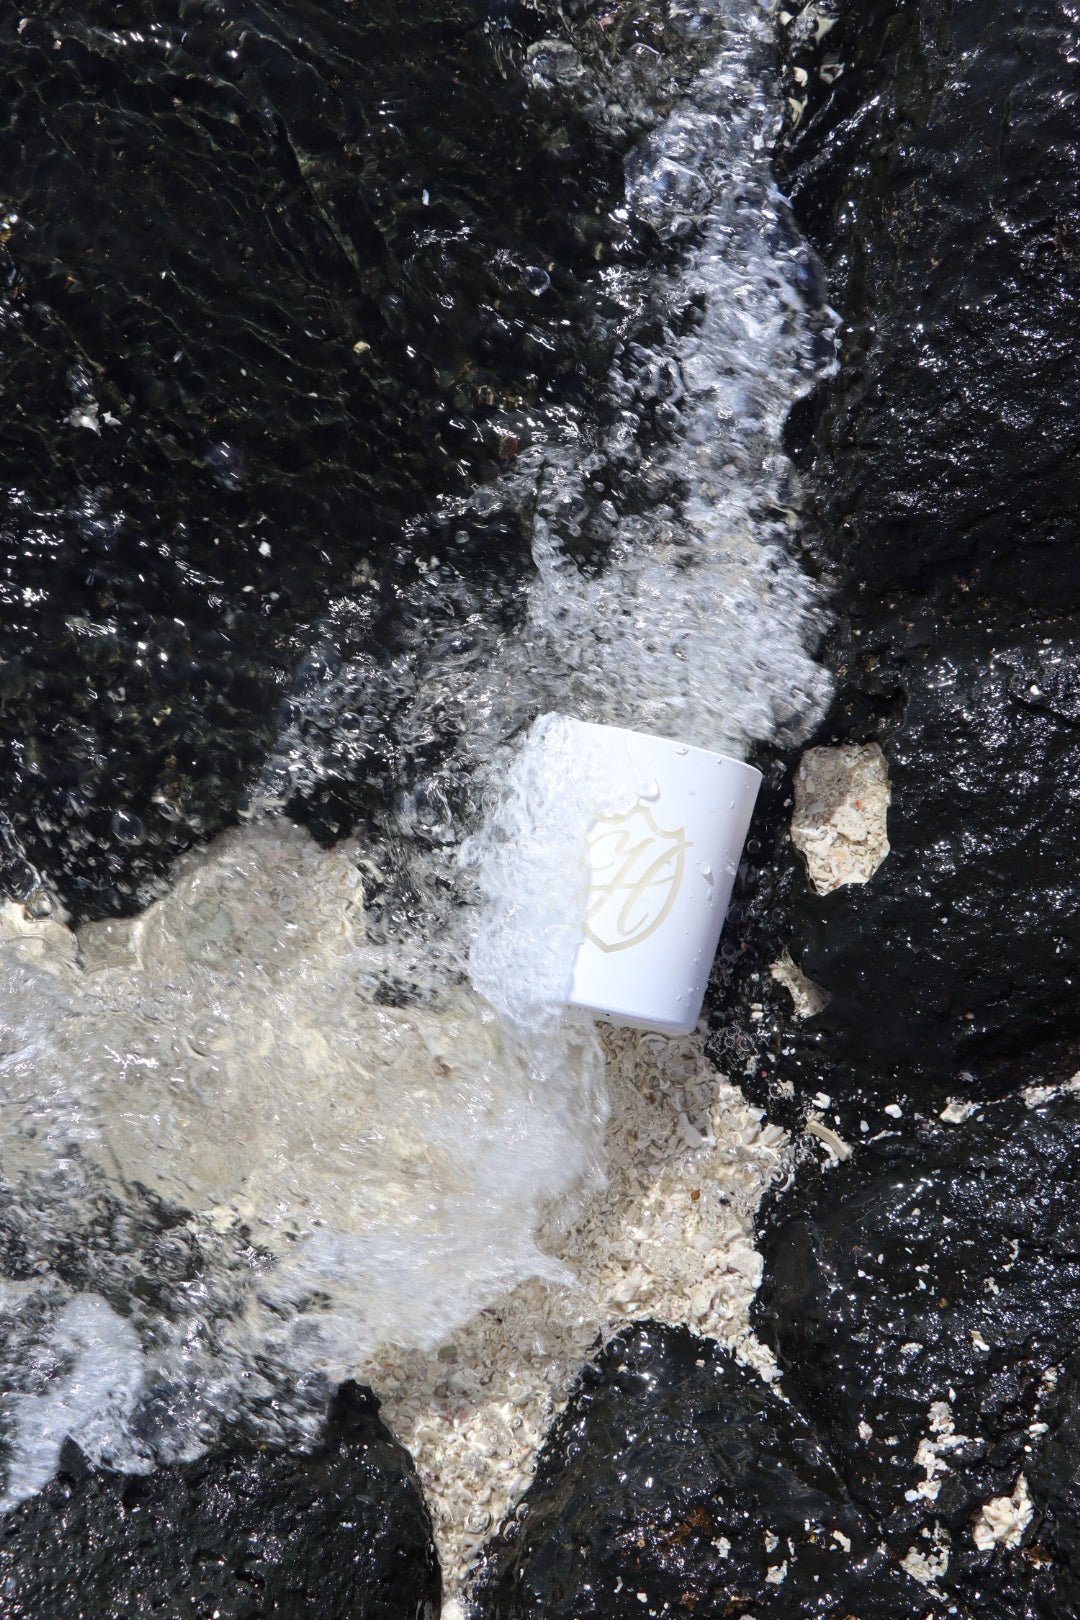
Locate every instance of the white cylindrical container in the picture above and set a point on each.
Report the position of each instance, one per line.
(662, 851)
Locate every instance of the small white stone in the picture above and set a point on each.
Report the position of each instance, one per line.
(842, 796)
(1003, 1520)
(956, 1111)
(836, 1145)
(809, 998)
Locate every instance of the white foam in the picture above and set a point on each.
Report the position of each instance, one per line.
(313, 1138)
(236, 1057)
(97, 1371)
(529, 863)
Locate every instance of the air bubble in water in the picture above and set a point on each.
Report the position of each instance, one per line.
(384, 1137)
(127, 828)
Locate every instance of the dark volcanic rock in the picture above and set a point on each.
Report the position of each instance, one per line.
(677, 1482)
(934, 166)
(961, 956)
(921, 1299)
(341, 1533)
(1054, 1472)
(938, 175)
(962, 952)
(263, 293)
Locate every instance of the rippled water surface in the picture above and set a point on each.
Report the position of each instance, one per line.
(375, 384)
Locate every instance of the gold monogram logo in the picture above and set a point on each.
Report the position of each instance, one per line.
(636, 871)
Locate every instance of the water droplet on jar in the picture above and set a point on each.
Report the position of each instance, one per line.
(650, 790)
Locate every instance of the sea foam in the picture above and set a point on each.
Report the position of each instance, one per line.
(271, 1127)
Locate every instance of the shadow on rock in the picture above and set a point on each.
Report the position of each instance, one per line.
(341, 1532)
(677, 1482)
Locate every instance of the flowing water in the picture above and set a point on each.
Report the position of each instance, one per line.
(405, 382)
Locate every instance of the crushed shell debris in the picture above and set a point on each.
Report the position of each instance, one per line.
(670, 1236)
(842, 797)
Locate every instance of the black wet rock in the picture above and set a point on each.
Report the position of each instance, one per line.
(962, 953)
(341, 1533)
(923, 1296)
(933, 165)
(1054, 1475)
(262, 298)
(922, 1299)
(935, 168)
(677, 1482)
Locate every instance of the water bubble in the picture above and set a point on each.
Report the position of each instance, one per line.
(127, 828)
(670, 636)
(650, 790)
(225, 465)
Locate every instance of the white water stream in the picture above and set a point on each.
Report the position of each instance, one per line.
(268, 1135)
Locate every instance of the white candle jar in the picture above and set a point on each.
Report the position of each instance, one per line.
(662, 852)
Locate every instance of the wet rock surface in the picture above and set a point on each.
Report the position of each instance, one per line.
(953, 970)
(934, 166)
(229, 242)
(678, 1482)
(921, 1290)
(929, 156)
(341, 1532)
(961, 955)
(922, 1300)
(1054, 1475)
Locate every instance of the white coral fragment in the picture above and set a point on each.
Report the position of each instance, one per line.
(928, 1564)
(809, 998)
(842, 796)
(1003, 1520)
